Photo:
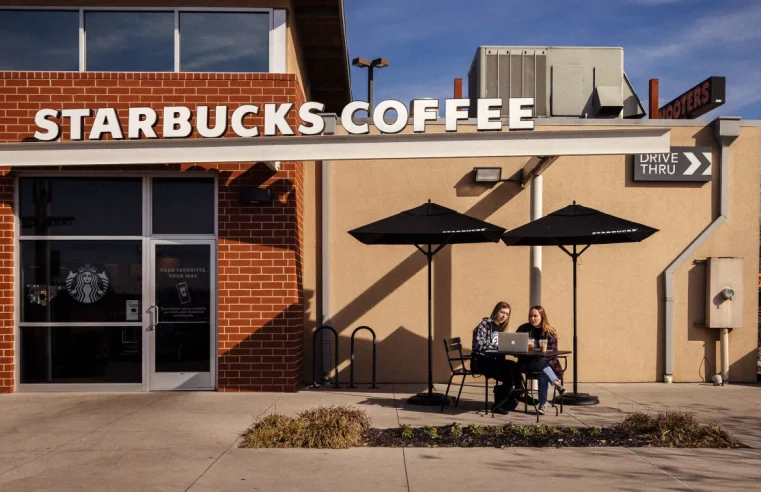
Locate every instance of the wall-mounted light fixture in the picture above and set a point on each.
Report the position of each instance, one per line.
(487, 174)
(255, 196)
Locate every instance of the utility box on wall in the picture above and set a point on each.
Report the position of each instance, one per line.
(724, 281)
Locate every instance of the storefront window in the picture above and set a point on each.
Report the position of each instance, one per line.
(81, 354)
(81, 281)
(224, 42)
(39, 40)
(129, 41)
(183, 206)
(80, 206)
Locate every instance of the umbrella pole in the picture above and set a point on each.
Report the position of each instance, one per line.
(575, 341)
(429, 398)
(577, 398)
(430, 329)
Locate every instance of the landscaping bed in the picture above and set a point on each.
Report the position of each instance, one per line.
(345, 427)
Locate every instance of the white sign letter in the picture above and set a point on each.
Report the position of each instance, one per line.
(380, 113)
(77, 116)
(106, 121)
(347, 116)
(137, 124)
(517, 112)
(308, 114)
(421, 112)
(455, 112)
(274, 119)
(177, 116)
(488, 114)
(237, 121)
(42, 121)
(220, 122)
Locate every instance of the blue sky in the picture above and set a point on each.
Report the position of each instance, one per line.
(680, 42)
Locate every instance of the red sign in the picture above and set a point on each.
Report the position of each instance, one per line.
(697, 101)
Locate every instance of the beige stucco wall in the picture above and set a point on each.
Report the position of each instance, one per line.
(620, 311)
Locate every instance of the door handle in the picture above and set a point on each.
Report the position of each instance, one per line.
(153, 311)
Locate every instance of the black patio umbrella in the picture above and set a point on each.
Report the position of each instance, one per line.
(428, 225)
(575, 226)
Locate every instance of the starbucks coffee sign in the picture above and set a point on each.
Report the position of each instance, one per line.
(389, 117)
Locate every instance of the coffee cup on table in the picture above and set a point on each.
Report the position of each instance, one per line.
(530, 344)
(543, 345)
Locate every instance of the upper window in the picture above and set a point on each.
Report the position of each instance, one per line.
(80, 206)
(183, 206)
(39, 40)
(184, 40)
(224, 42)
(129, 41)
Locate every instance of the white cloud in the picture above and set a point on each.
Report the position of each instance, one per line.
(727, 29)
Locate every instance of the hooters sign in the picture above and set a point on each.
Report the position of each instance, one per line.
(707, 95)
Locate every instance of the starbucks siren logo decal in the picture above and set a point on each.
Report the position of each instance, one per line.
(86, 285)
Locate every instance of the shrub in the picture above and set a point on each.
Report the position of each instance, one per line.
(674, 429)
(455, 430)
(338, 427)
(406, 431)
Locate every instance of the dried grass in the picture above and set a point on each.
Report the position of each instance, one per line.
(678, 430)
(336, 427)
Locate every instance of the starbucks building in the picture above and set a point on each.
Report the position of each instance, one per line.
(174, 207)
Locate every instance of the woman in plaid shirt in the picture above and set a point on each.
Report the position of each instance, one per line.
(485, 338)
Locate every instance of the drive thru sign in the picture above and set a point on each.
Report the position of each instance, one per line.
(681, 164)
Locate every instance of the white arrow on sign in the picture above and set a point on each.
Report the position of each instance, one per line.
(707, 155)
(694, 164)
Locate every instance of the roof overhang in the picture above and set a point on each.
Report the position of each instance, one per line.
(322, 31)
(337, 147)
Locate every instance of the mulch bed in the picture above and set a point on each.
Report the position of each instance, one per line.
(515, 436)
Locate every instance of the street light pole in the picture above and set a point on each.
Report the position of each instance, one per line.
(370, 65)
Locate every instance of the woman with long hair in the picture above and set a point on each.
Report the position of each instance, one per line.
(549, 369)
(485, 338)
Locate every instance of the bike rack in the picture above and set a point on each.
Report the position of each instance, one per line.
(351, 380)
(314, 355)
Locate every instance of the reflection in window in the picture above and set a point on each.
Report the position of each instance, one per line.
(81, 354)
(224, 42)
(81, 281)
(129, 41)
(81, 206)
(39, 40)
(183, 347)
(183, 206)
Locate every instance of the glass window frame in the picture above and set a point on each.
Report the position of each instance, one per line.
(277, 40)
(147, 237)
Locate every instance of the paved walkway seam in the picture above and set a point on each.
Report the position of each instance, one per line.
(660, 470)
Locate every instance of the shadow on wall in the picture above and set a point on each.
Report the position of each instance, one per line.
(267, 357)
(696, 313)
(414, 361)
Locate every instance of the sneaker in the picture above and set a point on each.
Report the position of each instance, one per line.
(560, 389)
(540, 410)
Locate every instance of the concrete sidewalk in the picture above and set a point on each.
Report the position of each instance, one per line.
(188, 441)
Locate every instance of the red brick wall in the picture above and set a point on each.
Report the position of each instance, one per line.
(261, 311)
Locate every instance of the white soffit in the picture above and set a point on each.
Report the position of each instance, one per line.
(337, 147)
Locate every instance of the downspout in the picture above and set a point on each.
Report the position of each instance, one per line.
(324, 314)
(535, 277)
(725, 130)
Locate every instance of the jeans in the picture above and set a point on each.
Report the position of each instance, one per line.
(546, 377)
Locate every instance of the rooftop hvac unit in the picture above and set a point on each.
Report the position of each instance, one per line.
(564, 81)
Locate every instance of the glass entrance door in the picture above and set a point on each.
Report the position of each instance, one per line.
(180, 320)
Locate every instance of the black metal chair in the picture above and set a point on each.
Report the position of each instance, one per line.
(460, 365)
(554, 389)
(530, 391)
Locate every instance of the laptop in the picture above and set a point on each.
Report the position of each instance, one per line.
(512, 342)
